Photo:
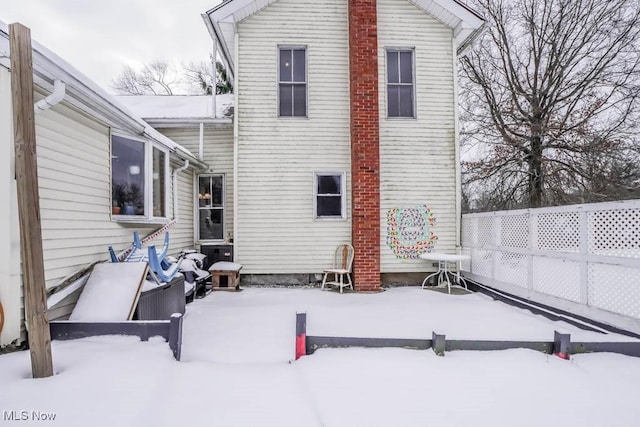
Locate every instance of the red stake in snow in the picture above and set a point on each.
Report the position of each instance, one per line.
(301, 335)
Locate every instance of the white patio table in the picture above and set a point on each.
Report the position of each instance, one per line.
(445, 264)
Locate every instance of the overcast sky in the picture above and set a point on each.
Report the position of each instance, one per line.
(99, 37)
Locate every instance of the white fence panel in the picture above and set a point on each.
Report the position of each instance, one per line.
(584, 259)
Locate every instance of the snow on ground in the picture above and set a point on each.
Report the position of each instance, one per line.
(236, 372)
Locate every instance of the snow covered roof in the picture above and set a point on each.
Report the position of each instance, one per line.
(221, 21)
(87, 96)
(179, 106)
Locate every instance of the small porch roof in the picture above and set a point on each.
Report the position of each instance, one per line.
(167, 111)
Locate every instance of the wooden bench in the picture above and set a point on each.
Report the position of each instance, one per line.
(225, 276)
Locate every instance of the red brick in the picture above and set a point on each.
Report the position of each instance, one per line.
(365, 144)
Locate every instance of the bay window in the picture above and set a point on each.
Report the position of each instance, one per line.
(139, 171)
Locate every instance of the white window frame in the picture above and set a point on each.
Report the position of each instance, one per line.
(413, 81)
(196, 219)
(148, 181)
(279, 48)
(343, 194)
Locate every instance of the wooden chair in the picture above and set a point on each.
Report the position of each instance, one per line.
(342, 263)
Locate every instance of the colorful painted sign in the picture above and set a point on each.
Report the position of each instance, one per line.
(409, 231)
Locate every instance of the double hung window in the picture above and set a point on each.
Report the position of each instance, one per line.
(400, 84)
(292, 82)
(329, 195)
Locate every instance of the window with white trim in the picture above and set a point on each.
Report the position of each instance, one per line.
(210, 207)
(400, 84)
(292, 82)
(329, 195)
(138, 179)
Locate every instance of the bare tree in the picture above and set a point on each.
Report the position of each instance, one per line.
(161, 78)
(155, 78)
(198, 75)
(550, 100)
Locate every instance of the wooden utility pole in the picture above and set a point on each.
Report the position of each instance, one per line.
(29, 201)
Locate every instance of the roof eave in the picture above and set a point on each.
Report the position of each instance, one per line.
(182, 122)
(86, 96)
(216, 35)
(468, 41)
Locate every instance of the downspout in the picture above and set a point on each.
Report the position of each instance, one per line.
(56, 96)
(201, 143)
(175, 187)
(236, 114)
(214, 75)
(456, 143)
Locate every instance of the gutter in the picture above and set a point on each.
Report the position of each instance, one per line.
(89, 98)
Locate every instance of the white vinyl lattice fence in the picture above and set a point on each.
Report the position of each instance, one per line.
(582, 258)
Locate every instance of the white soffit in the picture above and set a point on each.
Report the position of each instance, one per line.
(452, 14)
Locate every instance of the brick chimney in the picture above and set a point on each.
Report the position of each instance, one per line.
(365, 143)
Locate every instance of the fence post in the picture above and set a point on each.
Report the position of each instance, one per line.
(438, 343)
(532, 245)
(33, 277)
(301, 335)
(562, 345)
(175, 335)
(584, 252)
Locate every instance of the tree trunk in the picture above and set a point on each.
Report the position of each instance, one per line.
(535, 172)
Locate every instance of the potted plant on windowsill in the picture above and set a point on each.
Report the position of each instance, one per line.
(117, 198)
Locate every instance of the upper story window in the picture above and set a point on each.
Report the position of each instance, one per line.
(138, 179)
(400, 84)
(292, 80)
(330, 195)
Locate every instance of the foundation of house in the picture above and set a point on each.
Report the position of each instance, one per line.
(306, 279)
(302, 279)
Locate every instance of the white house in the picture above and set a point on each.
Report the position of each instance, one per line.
(345, 130)
(87, 145)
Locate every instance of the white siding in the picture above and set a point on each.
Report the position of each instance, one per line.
(417, 155)
(277, 232)
(218, 154)
(181, 234)
(10, 292)
(75, 190)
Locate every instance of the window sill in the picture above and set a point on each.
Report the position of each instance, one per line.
(401, 118)
(138, 220)
(330, 218)
(212, 242)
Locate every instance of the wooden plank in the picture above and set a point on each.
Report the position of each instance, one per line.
(29, 200)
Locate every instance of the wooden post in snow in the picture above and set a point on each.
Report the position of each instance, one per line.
(29, 201)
